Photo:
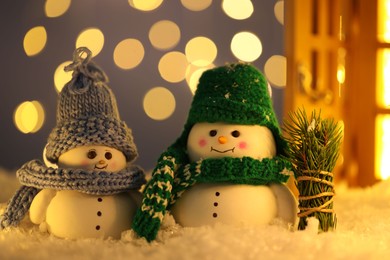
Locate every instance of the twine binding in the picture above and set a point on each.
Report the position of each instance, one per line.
(304, 211)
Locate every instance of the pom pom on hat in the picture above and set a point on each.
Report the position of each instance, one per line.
(87, 112)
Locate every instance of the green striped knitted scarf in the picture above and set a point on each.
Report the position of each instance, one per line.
(169, 181)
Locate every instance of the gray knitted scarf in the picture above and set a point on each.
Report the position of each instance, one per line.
(35, 176)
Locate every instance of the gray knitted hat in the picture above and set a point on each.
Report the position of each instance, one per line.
(87, 112)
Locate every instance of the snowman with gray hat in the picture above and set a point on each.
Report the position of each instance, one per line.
(89, 189)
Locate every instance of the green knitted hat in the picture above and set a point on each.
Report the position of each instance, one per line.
(237, 94)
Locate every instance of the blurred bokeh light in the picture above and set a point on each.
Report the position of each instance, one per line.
(56, 8)
(196, 5)
(172, 66)
(159, 103)
(246, 46)
(238, 9)
(153, 52)
(29, 117)
(35, 40)
(129, 53)
(145, 5)
(164, 35)
(201, 51)
(61, 77)
(275, 70)
(92, 38)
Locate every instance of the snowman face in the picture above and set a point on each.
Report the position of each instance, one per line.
(215, 140)
(96, 157)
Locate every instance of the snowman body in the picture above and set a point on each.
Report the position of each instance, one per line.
(233, 204)
(207, 203)
(73, 214)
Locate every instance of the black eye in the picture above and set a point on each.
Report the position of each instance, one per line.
(91, 154)
(235, 133)
(213, 133)
(108, 155)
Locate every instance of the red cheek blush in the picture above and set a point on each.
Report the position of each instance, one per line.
(242, 145)
(202, 142)
(86, 163)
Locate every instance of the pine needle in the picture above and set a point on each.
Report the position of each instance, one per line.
(313, 149)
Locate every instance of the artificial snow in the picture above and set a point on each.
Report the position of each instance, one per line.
(363, 232)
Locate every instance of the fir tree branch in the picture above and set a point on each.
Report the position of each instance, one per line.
(313, 149)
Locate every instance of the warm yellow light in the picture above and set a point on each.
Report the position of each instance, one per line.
(194, 79)
(29, 117)
(238, 9)
(35, 40)
(246, 46)
(172, 66)
(275, 70)
(201, 51)
(341, 73)
(128, 54)
(164, 35)
(383, 78)
(62, 77)
(159, 103)
(41, 116)
(145, 5)
(55, 8)
(22, 115)
(196, 5)
(384, 20)
(92, 38)
(382, 169)
(341, 53)
(193, 73)
(279, 11)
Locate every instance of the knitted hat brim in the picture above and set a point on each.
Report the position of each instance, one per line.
(94, 130)
(203, 111)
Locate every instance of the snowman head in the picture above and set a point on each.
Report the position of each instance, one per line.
(216, 140)
(236, 95)
(93, 157)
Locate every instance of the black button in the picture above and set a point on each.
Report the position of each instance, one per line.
(100, 199)
(217, 194)
(215, 215)
(215, 204)
(97, 227)
(99, 213)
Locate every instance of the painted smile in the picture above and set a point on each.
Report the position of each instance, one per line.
(218, 151)
(101, 168)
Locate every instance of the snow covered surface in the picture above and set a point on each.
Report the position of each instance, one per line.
(363, 232)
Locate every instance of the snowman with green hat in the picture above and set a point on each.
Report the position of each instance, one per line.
(227, 166)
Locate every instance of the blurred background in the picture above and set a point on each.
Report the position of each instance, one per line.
(328, 55)
(152, 51)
